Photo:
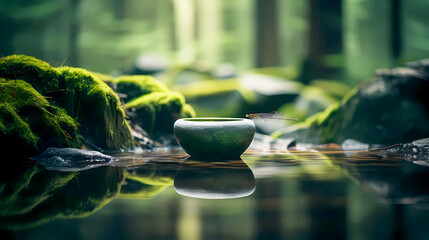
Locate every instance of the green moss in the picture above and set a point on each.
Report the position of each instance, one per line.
(15, 131)
(107, 79)
(188, 111)
(104, 77)
(96, 107)
(29, 124)
(138, 85)
(87, 99)
(38, 73)
(156, 112)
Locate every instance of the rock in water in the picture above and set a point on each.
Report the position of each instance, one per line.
(416, 152)
(392, 108)
(72, 159)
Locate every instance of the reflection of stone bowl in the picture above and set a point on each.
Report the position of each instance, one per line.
(223, 179)
(214, 137)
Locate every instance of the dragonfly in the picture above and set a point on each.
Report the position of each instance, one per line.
(270, 115)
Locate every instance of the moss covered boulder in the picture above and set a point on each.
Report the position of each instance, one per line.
(30, 124)
(85, 98)
(151, 105)
(138, 85)
(392, 108)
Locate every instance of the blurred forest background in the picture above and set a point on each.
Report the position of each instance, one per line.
(306, 40)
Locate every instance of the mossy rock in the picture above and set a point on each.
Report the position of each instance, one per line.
(138, 85)
(38, 73)
(29, 124)
(156, 112)
(96, 107)
(109, 80)
(392, 108)
(151, 105)
(87, 99)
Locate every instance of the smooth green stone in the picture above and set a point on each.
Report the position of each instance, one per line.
(209, 138)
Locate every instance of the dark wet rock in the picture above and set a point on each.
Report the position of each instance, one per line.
(422, 65)
(418, 146)
(71, 159)
(392, 108)
(142, 138)
(416, 151)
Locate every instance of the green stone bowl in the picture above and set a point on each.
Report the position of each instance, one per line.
(209, 138)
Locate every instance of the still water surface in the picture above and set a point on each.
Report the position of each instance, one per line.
(161, 194)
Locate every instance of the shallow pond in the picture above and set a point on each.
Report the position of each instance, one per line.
(321, 193)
